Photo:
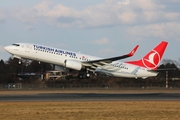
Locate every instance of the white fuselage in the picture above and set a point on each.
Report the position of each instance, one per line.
(125, 70)
(58, 57)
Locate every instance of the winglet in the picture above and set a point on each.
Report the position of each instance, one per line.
(133, 51)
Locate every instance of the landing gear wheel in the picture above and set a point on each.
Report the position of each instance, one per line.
(80, 76)
(88, 75)
(83, 76)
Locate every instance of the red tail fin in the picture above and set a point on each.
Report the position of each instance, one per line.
(153, 58)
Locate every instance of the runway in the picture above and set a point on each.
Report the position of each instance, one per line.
(91, 97)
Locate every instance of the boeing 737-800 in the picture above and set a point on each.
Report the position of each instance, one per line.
(143, 68)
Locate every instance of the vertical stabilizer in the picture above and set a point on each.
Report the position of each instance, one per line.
(152, 59)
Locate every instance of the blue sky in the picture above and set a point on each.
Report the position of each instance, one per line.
(103, 28)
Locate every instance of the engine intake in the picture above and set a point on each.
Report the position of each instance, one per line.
(73, 64)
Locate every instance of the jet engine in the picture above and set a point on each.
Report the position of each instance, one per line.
(73, 64)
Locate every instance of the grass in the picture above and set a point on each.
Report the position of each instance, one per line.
(91, 110)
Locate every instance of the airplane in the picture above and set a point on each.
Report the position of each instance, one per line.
(143, 68)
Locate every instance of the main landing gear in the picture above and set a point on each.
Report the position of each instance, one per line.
(20, 62)
(83, 76)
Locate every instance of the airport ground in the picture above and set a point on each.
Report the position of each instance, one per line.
(89, 109)
(81, 90)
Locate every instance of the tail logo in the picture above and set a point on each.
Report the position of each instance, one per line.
(151, 60)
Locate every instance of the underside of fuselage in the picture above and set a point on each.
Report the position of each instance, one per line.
(120, 73)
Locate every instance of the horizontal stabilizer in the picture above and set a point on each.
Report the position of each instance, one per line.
(165, 69)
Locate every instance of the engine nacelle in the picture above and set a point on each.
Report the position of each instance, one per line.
(76, 65)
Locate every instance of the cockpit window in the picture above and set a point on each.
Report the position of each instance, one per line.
(16, 44)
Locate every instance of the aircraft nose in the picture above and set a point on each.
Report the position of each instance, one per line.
(8, 48)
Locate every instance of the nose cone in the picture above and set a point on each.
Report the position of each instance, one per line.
(8, 48)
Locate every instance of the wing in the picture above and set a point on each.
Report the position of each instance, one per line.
(91, 65)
